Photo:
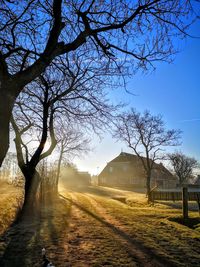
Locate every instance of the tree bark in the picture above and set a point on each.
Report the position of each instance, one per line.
(6, 107)
(148, 185)
(31, 205)
(58, 168)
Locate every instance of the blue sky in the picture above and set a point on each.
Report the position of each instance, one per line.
(172, 90)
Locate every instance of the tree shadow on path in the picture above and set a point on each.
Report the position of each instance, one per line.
(20, 241)
(143, 255)
(21, 244)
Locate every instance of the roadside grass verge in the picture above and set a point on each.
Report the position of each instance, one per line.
(158, 228)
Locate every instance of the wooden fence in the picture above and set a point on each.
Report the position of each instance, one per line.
(174, 195)
(187, 194)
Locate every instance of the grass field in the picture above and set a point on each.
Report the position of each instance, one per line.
(100, 226)
(10, 199)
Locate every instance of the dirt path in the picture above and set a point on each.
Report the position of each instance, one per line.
(78, 244)
(88, 242)
(97, 239)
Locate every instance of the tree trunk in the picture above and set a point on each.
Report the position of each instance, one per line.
(6, 106)
(31, 205)
(58, 168)
(148, 184)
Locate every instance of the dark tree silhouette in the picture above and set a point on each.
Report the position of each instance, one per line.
(28, 161)
(183, 166)
(34, 34)
(47, 104)
(146, 135)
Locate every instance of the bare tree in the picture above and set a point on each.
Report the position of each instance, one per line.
(146, 135)
(50, 101)
(71, 143)
(183, 166)
(28, 161)
(34, 34)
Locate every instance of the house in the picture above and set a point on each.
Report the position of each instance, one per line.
(126, 170)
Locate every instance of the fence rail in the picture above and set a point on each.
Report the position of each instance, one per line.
(174, 196)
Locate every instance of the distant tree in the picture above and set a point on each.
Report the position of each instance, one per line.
(9, 170)
(71, 142)
(69, 173)
(70, 176)
(197, 180)
(146, 135)
(35, 34)
(183, 166)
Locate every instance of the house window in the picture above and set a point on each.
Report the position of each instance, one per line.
(136, 180)
(111, 169)
(104, 179)
(131, 180)
(125, 168)
(160, 183)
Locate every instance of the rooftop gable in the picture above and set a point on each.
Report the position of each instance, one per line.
(124, 157)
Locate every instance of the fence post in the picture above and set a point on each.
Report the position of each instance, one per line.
(185, 202)
(198, 201)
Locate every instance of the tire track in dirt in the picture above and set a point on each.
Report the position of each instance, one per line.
(77, 246)
(144, 256)
(88, 237)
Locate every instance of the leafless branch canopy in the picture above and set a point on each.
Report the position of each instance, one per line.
(118, 37)
(34, 33)
(51, 106)
(146, 135)
(183, 166)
